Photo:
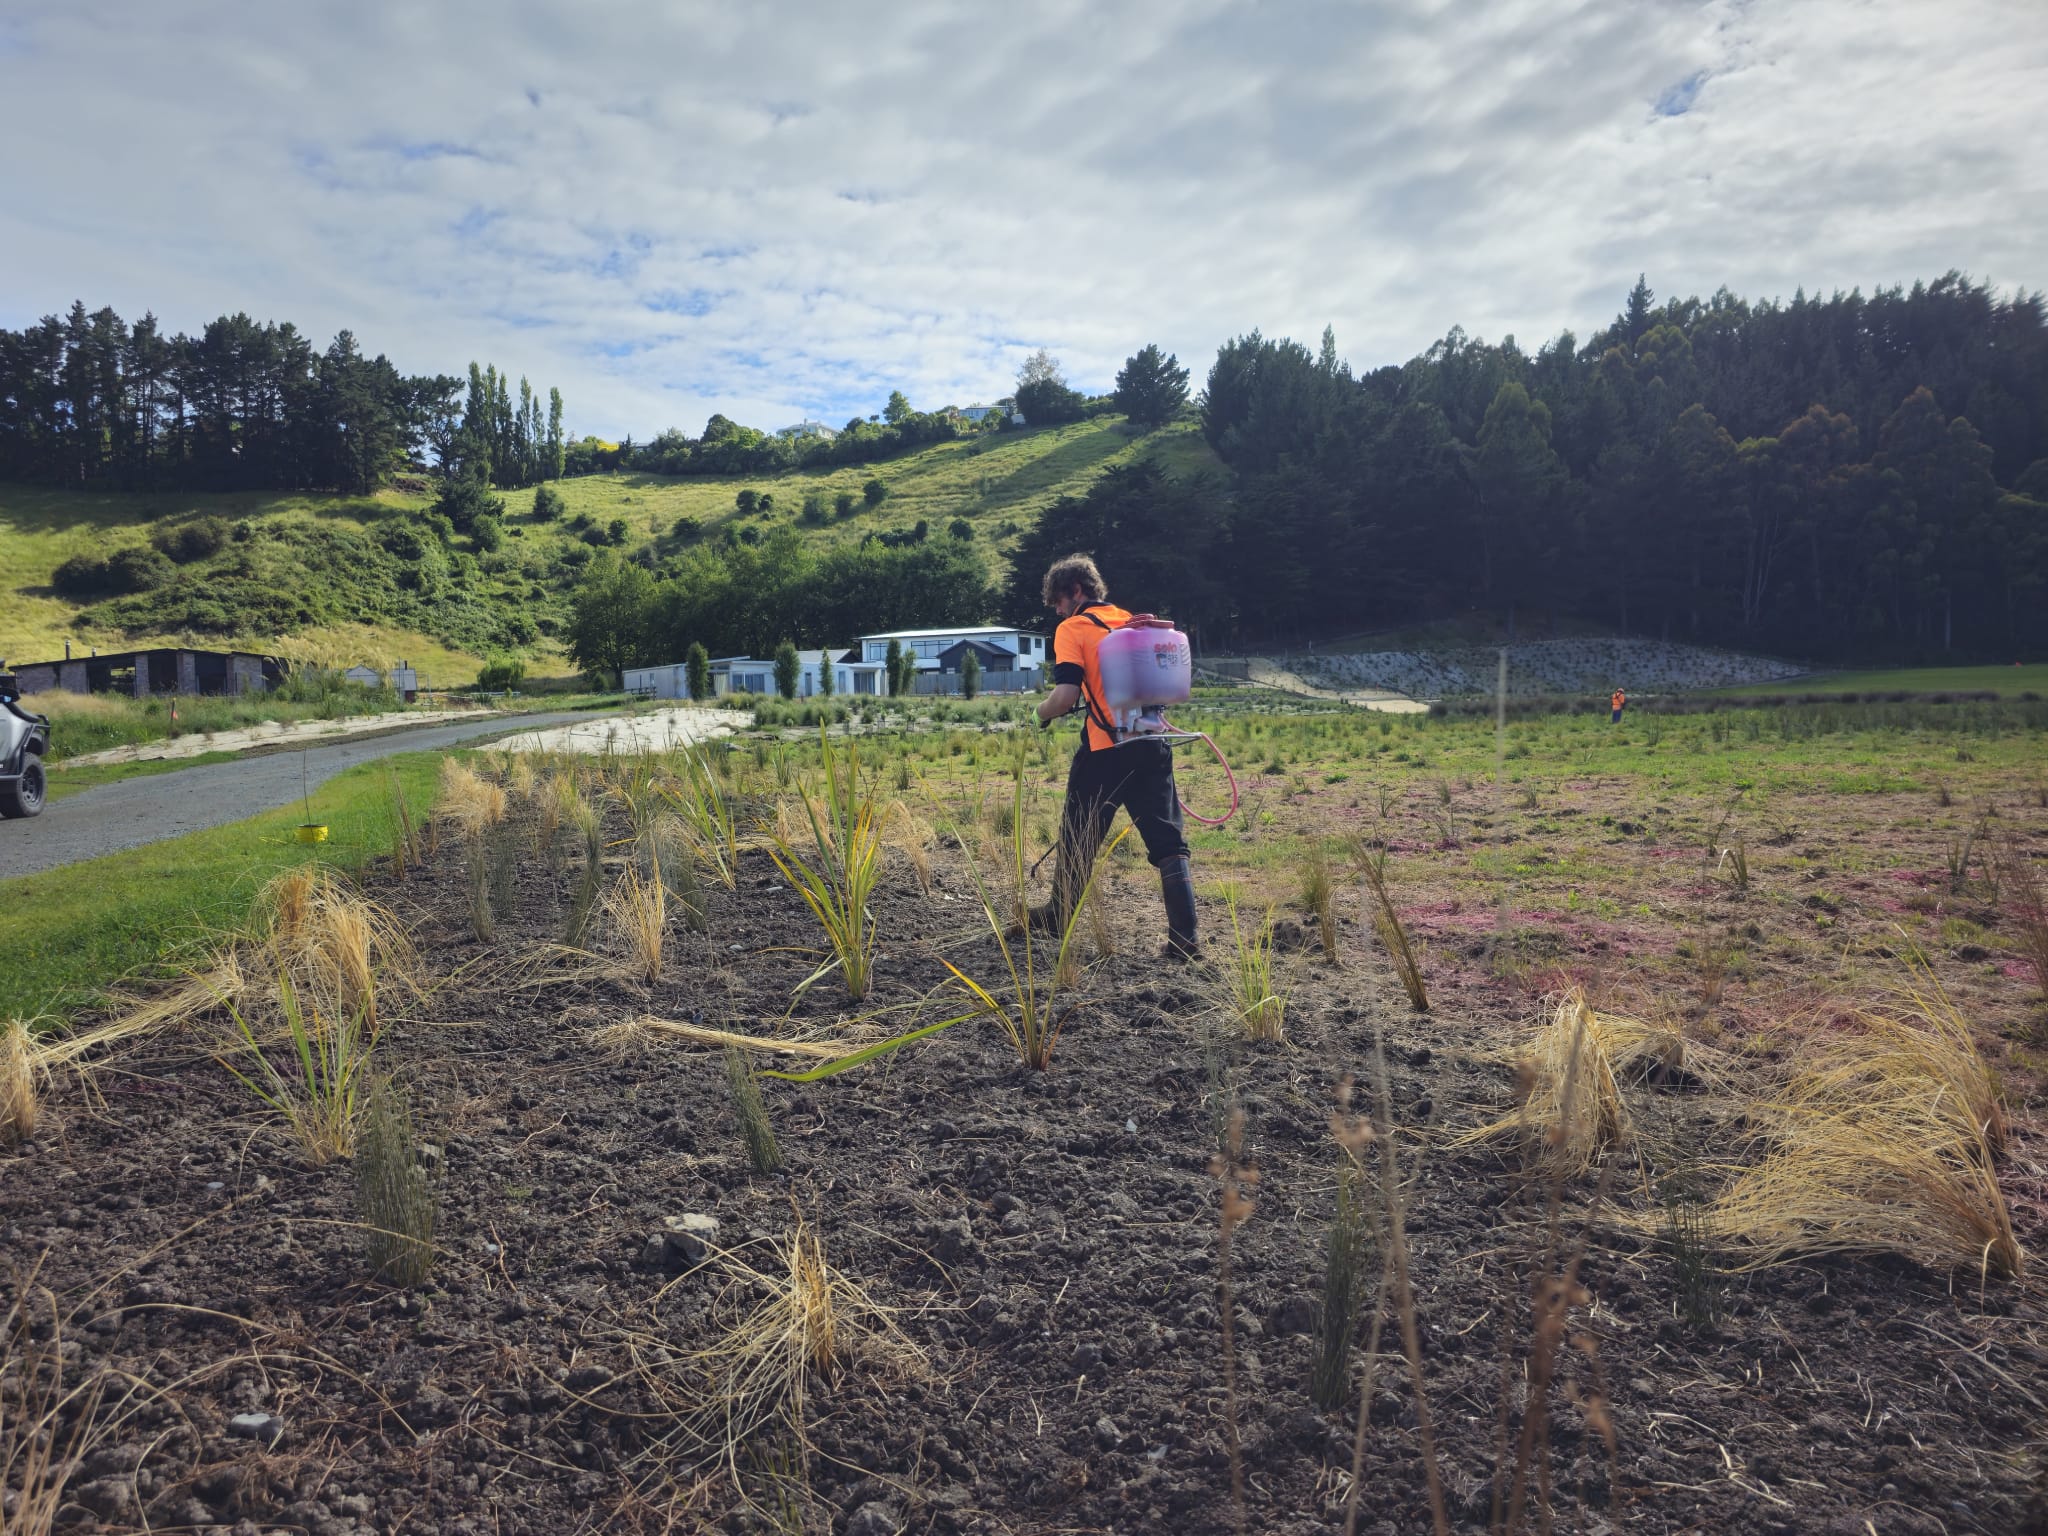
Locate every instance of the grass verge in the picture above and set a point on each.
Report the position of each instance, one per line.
(67, 935)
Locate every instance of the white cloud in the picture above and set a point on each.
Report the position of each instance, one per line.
(786, 211)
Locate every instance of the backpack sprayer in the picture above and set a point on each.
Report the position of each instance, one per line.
(1147, 664)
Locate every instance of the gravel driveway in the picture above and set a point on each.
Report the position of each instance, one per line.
(131, 812)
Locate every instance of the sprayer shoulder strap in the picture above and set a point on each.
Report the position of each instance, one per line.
(1095, 710)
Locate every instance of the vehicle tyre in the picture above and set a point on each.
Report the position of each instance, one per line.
(24, 796)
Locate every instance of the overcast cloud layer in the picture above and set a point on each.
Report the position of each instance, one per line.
(780, 211)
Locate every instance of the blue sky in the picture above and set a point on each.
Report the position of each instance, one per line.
(780, 212)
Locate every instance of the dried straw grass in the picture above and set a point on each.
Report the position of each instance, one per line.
(469, 801)
(21, 1077)
(1849, 1183)
(626, 1033)
(638, 909)
(797, 1319)
(1884, 1138)
(335, 945)
(1572, 1071)
(913, 838)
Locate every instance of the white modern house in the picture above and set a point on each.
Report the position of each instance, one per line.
(752, 674)
(1031, 652)
(1017, 655)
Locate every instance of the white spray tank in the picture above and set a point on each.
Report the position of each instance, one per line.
(1145, 664)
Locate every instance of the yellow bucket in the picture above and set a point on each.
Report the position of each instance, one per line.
(311, 832)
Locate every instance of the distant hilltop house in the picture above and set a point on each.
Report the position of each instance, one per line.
(809, 429)
(1011, 660)
(143, 673)
(978, 413)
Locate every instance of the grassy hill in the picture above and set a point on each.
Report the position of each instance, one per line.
(316, 576)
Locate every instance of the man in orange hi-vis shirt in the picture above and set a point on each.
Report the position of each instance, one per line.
(1105, 775)
(1618, 701)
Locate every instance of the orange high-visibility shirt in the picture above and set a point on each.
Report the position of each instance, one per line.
(1073, 661)
(1620, 698)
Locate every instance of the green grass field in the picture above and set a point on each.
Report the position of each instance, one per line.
(998, 484)
(67, 935)
(2007, 682)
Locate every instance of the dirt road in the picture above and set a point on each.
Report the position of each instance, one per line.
(132, 812)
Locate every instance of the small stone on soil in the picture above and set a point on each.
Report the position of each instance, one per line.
(689, 1237)
(873, 1520)
(265, 1427)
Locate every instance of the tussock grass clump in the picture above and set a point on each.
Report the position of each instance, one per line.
(406, 849)
(315, 1084)
(1346, 1250)
(590, 879)
(475, 807)
(1386, 922)
(1319, 896)
(1841, 1183)
(637, 911)
(1572, 1069)
(1253, 991)
(913, 838)
(396, 1198)
(336, 945)
(2027, 901)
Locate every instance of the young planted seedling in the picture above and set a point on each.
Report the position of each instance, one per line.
(1386, 922)
(1256, 996)
(1319, 896)
(316, 1086)
(838, 879)
(396, 1195)
(747, 1107)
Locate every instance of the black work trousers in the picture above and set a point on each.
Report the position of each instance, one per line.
(1136, 777)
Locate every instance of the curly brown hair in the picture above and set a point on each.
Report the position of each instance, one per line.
(1072, 573)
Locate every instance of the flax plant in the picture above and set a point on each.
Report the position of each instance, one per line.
(1033, 1009)
(838, 879)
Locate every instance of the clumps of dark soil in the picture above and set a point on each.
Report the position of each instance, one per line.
(1047, 1241)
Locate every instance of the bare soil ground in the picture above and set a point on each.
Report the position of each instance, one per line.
(1048, 1240)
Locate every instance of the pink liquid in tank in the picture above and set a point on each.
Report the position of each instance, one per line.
(1144, 667)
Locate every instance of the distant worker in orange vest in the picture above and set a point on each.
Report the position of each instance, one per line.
(1619, 700)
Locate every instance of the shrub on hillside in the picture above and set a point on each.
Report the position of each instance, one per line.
(199, 539)
(844, 503)
(547, 503)
(135, 569)
(464, 499)
(488, 534)
(501, 673)
(874, 492)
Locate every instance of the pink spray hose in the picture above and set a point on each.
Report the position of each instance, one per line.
(1207, 821)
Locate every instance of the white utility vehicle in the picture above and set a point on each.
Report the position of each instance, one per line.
(24, 743)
